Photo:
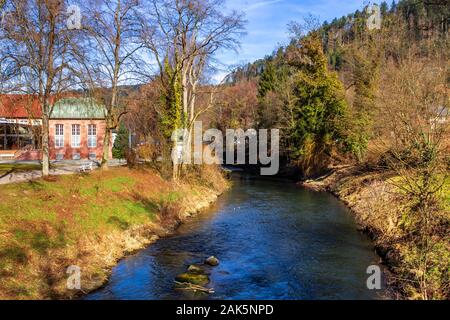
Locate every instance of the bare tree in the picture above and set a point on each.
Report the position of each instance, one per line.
(414, 128)
(40, 56)
(186, 34)
(113, 30)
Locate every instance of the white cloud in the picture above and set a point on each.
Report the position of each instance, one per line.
(261, 4)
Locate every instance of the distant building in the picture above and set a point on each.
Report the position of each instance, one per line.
(77, 129)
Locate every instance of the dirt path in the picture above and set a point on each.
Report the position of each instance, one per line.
(60, 168)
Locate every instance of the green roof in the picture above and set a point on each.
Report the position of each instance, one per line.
(78, 108)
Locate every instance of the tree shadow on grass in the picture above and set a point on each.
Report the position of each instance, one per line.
(150, 205)
(35, 185)
(118, 222)
(14, 254)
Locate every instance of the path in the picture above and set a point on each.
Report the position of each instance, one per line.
(59, 168)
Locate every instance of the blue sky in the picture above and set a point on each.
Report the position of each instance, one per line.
(267, 22)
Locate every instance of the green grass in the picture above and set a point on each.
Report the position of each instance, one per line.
(446, 193)
(118, 184)
(119, 214)
(46, 225)
(43, 215)
(170, 197)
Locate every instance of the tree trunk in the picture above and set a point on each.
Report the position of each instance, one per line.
(185, 97)
(106, 147)
(175, 172)
(45, 146)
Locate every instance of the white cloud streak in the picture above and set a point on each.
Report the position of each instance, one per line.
(261, 4)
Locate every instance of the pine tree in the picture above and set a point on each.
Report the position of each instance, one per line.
(121, 146)
(393, 7)
(384, 8)
(267, 80)
(320, 104)
(267, 83)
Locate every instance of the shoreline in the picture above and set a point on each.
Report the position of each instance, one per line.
(372, 202)
(146, 208)
(87, 224)
(149, 239)
(384, 293)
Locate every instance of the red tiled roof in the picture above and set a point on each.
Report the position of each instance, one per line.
(19, 106)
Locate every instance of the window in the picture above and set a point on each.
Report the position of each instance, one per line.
(92, 136)
(59, 136)
(76, 132)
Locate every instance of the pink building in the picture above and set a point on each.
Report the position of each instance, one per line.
(77, 129)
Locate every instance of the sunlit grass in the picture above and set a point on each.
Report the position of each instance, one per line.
(40, 216)
(83, 219)
(446, 194)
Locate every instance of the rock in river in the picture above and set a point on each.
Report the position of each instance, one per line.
(212, 261)
(195, 269)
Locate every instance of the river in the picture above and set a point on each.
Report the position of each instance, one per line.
(274, 241)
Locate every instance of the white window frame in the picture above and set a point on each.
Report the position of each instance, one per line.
(92, 136)
(76, 136)
(59, 136)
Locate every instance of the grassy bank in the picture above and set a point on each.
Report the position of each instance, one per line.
(380, 210)
(89, 221)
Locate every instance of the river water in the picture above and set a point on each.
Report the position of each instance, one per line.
(274, 241)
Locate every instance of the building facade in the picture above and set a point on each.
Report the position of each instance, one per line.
(77, 129)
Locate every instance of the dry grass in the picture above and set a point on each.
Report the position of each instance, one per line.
(380, 210)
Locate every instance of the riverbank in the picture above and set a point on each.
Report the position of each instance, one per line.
(274, 241)
(379, 210)
(91, 222)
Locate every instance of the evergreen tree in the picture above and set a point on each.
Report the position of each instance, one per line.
(267, 83)
(393, 6)
(267, 80)
(384, 8)
(320, 104)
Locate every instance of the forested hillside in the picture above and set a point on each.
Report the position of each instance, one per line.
(413, 35)
(375, 100)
